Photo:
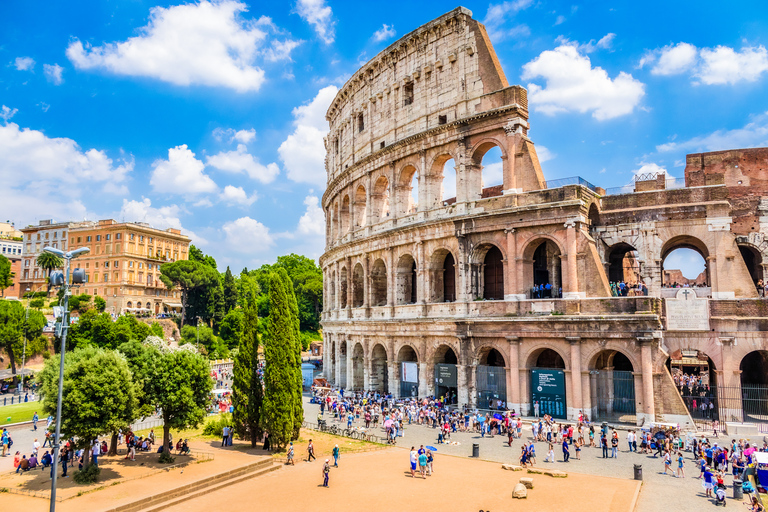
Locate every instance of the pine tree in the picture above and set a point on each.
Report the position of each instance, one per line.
(247, 390)
(298, 378)
(230, 291)
(279, 375)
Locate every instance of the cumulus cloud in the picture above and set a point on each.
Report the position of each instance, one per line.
(247, 235)
(313, 220)
(709, 66)
(303, 151)
(498, 20)
(24, 63)
(181, 173)
(204, 43)
(237, 196)
(320, 16)
(241, 161)
(675, 59)
(572, 84)
(754, 134)
(53, 72)
(384, 33)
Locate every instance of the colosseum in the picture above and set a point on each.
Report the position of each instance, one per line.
(506, 296)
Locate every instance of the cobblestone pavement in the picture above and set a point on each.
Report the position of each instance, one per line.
(657, 491)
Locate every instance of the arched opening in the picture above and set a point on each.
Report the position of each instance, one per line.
(754, 386)
(408, 363)
(613, 385)
(491, 379)
(442, 270)
(754, 262)
(361, 207)
(448, 189)
(446, 374)
(344, 216)
(684, 263)
(623, 270)
(358, 287)
(408, 191)
(380, 199)
(379, 379)
(546, 278)
(379, 283)
(344, 286)
(358, 363)
(493, 274)
(548, 383)
(695, 376)
(343, 365)
(406, 280)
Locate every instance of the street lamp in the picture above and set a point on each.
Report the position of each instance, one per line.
(62, 279)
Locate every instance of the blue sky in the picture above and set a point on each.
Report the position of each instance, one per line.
(209, 116)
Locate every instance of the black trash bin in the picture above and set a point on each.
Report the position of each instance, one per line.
(738, 490)
(476, 451)
(638, 471)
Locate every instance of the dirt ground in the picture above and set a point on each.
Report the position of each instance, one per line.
(380, 480)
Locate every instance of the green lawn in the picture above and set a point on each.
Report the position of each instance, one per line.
(20, 412)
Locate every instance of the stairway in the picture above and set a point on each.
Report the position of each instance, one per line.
(670, 407)
(195, 489)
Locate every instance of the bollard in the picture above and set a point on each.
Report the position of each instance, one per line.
(738, 490)
(638, 472)
(476, 451)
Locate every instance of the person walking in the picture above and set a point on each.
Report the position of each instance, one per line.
(336, 456)
(311, 452)
(326, 472)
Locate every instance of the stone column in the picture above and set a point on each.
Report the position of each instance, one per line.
(646, 363)
(513, 374)
(571, 289)
(576, 400)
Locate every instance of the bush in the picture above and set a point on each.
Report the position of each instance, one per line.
(87, 475)
(215, 425)
(37, 303)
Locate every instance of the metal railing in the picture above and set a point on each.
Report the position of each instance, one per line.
(573, 180)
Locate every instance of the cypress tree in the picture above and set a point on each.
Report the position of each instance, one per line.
(247, 390)
(279, 373)
(298, 404)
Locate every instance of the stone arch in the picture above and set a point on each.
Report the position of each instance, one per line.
(344, 285)
(622, 262)
(542, 266)
(408, 190)
(344, 215)
(379, 283)
(361, 206)
(668, 277)
(407, 281)
(443, 276)
(358, 365)
(358, 286)
(379, 378)
(380, 199)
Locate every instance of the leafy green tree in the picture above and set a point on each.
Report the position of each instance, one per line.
(247, 388)
(279, 373)
(99, 303)
(99, 394)
(229, 285)
(298, 403)
(192, 278)
(49, 262)
(180, 384)
(16, 325)
(232, 327)
(6, 276)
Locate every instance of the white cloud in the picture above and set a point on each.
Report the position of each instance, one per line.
(53, 72)
(675, 59)
(753, 134)
(723, 65)
(303, 151)
(498, 20)
(237, 196)
(182, 173)
(313, 220)
(248, 235)
(572, 84)
(320, 16)
(24, 63)
(241, 161)
(205, 43)
(544, 153)
(384, 33)
(6, 113)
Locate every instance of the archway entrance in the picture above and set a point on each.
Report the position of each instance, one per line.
(358, 363)
(548, 384)
(754, 386)
(491, 380)
(614, 387)
(446, 374)
(547, 281)
(379, 379)
(408, 362)
(696, 380)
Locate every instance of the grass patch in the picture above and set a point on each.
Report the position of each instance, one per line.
(17, 413)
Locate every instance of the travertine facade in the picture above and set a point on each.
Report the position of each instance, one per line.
(413, 277)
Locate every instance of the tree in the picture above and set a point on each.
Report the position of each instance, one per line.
(15, 326)
(247, 388)
(279, 372)
(49, 262)
(6, 276)
(232, 327)
(99, 394)
(298, 397)
(229, 285)
(180, 383)
(190, 277)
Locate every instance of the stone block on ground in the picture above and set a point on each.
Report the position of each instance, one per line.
(511, 467)
(527, 482)
(520, 491)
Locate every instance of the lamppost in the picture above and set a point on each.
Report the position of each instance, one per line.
(24, 352)
(62, 279)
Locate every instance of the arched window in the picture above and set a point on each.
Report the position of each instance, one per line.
(493, 275)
